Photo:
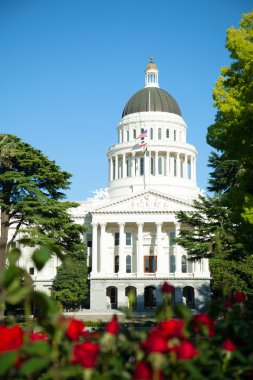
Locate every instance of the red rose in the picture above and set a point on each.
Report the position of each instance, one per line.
(155, 342)
(185, 351)
(205, 320)
(228, 345)
(239, 296)
(167, 288)
(37, 336)
(75, 329)
(172, 328)
(143, 371)
(112, 327)
(11, 338)
(85, 354)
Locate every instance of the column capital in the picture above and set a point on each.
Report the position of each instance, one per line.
(158, 224)
(121, 224)
(140, 224)
(102, 224)
(94, 224)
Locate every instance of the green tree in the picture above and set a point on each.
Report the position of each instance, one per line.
(31, 200)
(222, 226)
(70, 284)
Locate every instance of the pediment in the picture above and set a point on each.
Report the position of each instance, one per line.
(144, 202)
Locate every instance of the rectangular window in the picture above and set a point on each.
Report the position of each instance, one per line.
(142, 166)
(116, 238)
(159, 133)
(134, 133)
(151, 134)
(31, 271)
(175, 135)
(113, 169)
(150, 264)
(172, 235)
(152, 165)
(127, 135)
(175, 167)
(128, 167)
(128, 238)
(167, 133)
(160, 169)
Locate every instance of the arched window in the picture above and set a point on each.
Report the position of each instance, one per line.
(159, 133)
(151, 134)
(175, 135)
(128, 264)
(112, 294)
(116, 264)
(172, 264)
(150, 297)
(189, 169)
(131, 293)
(167, 133)
(152, 165)
(184, 264)
(160, 168)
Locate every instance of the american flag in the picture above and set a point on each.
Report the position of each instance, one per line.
(143, 135)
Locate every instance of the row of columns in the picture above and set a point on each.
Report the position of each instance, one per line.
(174, 164)
(162, 264)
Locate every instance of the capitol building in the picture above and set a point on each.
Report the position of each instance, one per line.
(152, 175)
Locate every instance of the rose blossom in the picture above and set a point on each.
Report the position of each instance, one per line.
(75, 329)
(85, 354)
(185, 351)
(112, 327)
(167, 288)
(37, 336)
(228, 345)
(205, 320)
(11, 338)
(143, 371)
(155, 342)
(239, 296)
(172, 328)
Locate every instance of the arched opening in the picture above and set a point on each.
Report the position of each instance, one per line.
(131, 294)
(128, 264)
(150, 297)
(112, 294)
(188, 296)
(116, 264)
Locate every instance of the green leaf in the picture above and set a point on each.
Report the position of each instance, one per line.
(14, 256)
(17, 295)
(34, 365)
(11, 274)
(41, 256)
(37, 348)
(7, 361)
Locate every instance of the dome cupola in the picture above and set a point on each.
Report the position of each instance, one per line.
(151, 98)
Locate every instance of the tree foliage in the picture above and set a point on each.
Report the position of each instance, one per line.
(221, 227)
(32, 200)
(70, 284)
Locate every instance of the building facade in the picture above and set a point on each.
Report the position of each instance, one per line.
(152, 175)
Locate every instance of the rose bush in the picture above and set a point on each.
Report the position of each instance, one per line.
(216, 343)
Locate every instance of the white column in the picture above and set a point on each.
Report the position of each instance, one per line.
(167, 172)
(178, 271)
(123, 165)
(111, 169)
(140, 262)
(102, 250)
(185, 167)
(116, 167)
(94, 248)
(172, 165)
(191, 168)
(178, 166)
(122, 260)
(160, 258)
(133, 165)
(206, 266)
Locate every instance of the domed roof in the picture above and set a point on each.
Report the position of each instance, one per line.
(151, 99)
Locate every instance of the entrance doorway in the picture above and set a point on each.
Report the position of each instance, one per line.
(150, 297)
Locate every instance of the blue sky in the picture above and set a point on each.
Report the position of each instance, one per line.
(67, 68)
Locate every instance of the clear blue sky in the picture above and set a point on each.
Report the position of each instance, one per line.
(67, 68)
